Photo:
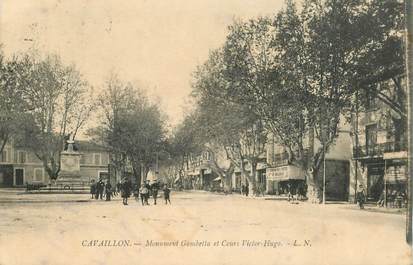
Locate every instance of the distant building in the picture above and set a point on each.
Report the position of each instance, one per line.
(19, 166)
(199, 174)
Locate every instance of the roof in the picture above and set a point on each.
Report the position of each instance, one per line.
(88, 146)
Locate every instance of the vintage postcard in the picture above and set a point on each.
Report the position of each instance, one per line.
(206, 132)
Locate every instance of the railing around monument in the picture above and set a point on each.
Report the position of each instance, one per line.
(81, 185)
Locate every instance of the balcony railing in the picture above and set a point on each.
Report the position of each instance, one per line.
(395, 147)
(379, 149)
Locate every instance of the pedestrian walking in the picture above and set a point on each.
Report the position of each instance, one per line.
(93, 188)
(136, 192)
(100, 186)
(148, 194)
(125, 191)
(247, 189)
(108, 190)
(119, 187)
(143, 193)
(154, 191)
(361, 196)
(290, 193)
(166, 194)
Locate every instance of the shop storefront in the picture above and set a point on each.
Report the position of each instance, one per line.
(284, 178)
(395, 179)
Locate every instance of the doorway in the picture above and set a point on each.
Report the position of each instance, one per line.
(19, 176)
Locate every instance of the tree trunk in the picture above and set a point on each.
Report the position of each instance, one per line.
(314, 192)
(227, 184)
(144, 173)
(409, 59)
(3, 143)
(137, 173)
(227, 180)
(252, 180)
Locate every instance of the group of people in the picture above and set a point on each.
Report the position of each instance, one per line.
(245, 189)
(396, 198)
(101, 189)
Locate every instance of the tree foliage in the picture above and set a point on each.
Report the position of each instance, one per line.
(298, 72)
(133, 126)
(59, 105)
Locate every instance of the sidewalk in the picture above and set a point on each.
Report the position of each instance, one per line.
(368, 207)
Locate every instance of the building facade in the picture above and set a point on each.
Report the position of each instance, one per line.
(199, 173)
(282, 175)
(19, 166)
(380, 150)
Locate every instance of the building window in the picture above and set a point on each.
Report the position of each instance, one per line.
(21, 157)
(371, 100)
(4, 156)
(38, 174)
(82, 159)
(371, 135)
(97, 159)
(105, 159)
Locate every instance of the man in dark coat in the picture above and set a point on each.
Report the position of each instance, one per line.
(361, 196)
(108, 190)
(154, 190)
(148, 187)
(166, 194)
(99, 189)
(126, 191)
(119, 187)
(93, 188)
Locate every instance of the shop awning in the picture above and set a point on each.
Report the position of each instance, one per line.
(285, 173)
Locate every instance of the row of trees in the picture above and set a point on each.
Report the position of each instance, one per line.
(297, 75)
(42, 101)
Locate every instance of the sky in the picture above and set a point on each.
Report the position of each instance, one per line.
(154, 43)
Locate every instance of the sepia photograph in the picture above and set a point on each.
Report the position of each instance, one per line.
(175, 132)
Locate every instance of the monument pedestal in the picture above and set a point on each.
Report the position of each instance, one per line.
(69, 166)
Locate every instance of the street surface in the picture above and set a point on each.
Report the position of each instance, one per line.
(198, 228)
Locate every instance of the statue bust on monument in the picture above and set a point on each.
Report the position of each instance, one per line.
(70, 144)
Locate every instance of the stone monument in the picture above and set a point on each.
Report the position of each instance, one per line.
(69, 164)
